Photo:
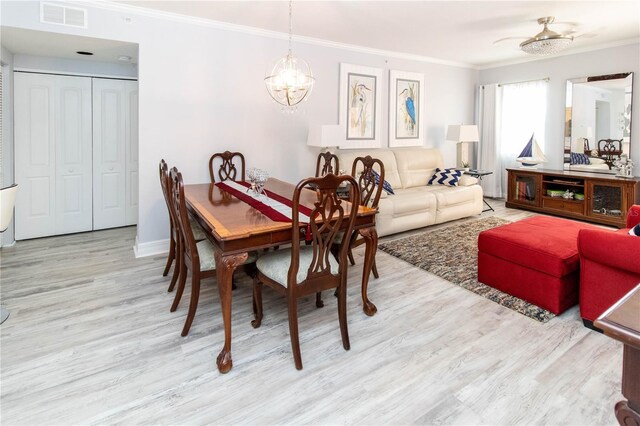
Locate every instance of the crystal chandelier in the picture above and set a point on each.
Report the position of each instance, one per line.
(290, 80)
(546, 42)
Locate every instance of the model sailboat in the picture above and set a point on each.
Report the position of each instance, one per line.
(531, 155)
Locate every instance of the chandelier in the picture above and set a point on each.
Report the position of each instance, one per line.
(290, 80)
(546, 42)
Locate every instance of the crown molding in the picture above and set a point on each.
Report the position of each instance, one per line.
(176, 17)
(601, 46)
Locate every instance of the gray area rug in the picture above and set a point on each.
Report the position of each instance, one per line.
(452, 253)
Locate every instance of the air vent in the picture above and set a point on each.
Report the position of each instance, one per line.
(51, 13)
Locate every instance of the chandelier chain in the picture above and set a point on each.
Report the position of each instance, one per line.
(290, 23)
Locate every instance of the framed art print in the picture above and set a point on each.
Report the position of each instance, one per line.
(360, 105)
(406, 109)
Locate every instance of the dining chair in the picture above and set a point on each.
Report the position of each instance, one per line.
(174, 242)
(327, 163)
(299, 271)
(370, 192)
(228, 169)
(196, 256)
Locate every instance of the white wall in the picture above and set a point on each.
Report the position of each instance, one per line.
(598, 62)
(201, 91)
(7, 132)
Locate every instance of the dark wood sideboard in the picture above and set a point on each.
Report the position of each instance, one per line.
(622, 322)
(597, 197)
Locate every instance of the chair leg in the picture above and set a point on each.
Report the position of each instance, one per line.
(351, 259)
(374, 269)
(172, 255)
(319, 302)
(181, 282)
(177, 270)
(257, 302)
(193, 304)
(342, 315)
(293, 331)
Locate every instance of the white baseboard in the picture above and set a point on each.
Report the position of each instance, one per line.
(152, 248)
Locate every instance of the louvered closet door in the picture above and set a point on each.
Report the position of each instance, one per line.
(52, 154)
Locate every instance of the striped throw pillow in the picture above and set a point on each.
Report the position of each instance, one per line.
(386, 185)
(447, 177)
(576, 158)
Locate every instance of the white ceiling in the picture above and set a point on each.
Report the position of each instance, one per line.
(455, 31)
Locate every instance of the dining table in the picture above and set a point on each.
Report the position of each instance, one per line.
(235, 228)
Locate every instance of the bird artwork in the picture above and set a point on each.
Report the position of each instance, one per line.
(408, 108)
(359, 111)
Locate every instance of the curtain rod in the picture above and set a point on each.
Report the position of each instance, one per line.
(527, 81)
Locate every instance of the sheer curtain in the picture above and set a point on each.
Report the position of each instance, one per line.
(519, 110)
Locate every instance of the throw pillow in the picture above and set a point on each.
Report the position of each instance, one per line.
(635, 231)
(386, 185)
(447, 177)
(577, 158)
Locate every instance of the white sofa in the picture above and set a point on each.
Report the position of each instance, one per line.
(416, 204)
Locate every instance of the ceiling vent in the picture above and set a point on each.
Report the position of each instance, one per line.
(51, 13)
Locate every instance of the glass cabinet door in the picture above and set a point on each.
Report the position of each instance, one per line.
(605, 201)
(525, 189)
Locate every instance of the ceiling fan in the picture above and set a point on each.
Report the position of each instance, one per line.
(547, 41)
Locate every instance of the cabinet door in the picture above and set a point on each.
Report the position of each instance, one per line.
(131, 143)
(109, 154)
(524, 188)
(605, 200)
(53, 154)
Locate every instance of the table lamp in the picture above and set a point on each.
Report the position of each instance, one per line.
(462, 134)
(324, 136)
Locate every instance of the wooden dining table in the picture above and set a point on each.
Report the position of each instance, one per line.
(235, 228)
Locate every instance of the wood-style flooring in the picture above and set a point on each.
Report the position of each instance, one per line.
(90, 340)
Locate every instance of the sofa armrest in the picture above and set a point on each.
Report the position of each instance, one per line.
(615, 249)
(466, 180)
(633, 217)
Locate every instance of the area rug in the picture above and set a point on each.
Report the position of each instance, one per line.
(452, 253)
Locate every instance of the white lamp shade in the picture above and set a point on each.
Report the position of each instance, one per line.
(324, 135)
(463, 133)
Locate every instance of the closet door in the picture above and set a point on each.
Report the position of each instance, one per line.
(109, 153)
(52, 154)
(131, 125)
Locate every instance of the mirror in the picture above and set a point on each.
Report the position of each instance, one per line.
(597, 127)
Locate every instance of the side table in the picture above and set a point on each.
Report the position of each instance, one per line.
(479, 174)
(622, 322)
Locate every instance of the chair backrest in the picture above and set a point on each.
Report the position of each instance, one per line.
(370, 192)
(334, 218)
(610, 147)
(179, 206)
(327, 163)
(7, 202)
(228, 169)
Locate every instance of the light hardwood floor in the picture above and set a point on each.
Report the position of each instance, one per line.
(90, 340)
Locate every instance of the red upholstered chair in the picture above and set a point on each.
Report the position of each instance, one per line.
(609, 267)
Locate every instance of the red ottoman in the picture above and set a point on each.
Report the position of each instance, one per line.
(535, 259)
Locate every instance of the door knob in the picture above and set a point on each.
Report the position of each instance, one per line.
(70, 170)
(110, 169)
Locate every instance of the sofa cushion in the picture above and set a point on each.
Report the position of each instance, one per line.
(387, 157)
(417, 165)
(447, 177)
(408, 201)
(451, 195)
(545, 244)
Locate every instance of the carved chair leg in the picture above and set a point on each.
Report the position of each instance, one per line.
(257, 302)
(181, 282)
(293, 331)
(351, 259)
(319, 302)
(374, 269)
(176, 274)
(342, 315)
(172, 255)
(193, 304)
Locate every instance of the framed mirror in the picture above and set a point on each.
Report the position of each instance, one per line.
(597, 127)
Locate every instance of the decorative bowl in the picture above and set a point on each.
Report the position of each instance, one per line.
(578, 196)
(555, 193)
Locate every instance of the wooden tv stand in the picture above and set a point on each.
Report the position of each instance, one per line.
(606, 198)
